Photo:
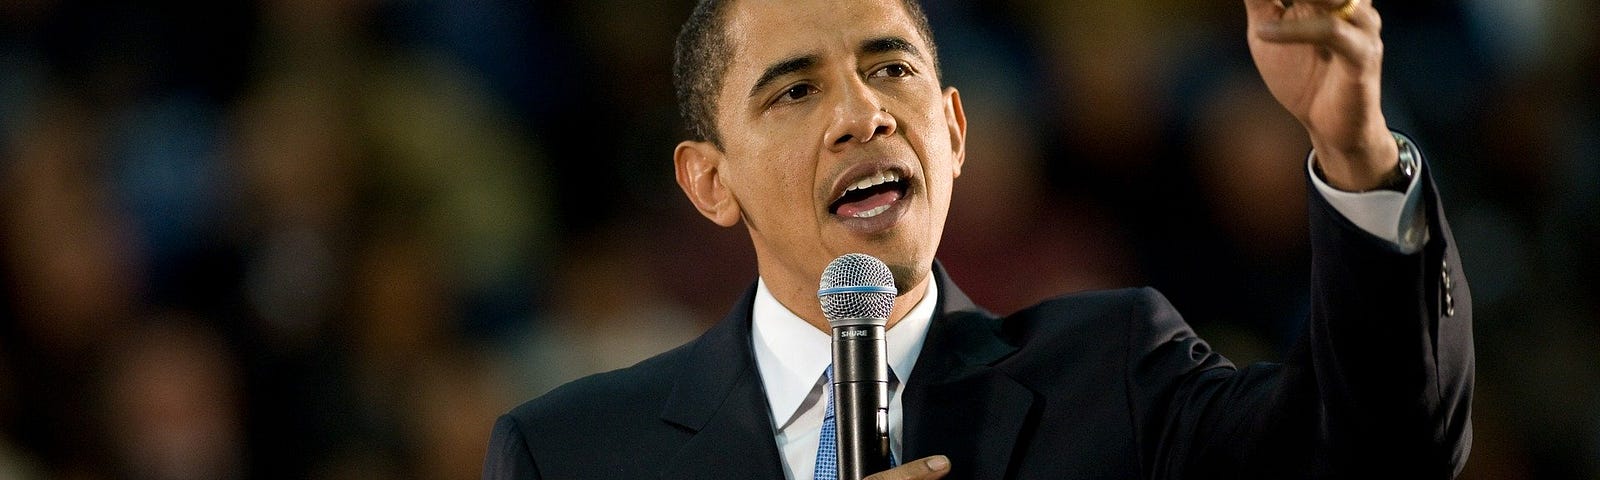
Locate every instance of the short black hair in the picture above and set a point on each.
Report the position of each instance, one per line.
(701, 56)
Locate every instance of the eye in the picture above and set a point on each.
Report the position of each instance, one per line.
(894, 70)
(795, 93)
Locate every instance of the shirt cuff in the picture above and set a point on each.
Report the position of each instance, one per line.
(1395, 217)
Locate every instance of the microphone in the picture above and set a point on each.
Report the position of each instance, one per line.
(857, 293)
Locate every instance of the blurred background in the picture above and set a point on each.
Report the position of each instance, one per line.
(335, 239)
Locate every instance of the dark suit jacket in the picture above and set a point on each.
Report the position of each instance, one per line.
(1106, 384)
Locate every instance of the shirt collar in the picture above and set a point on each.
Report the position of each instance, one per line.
(791, 353)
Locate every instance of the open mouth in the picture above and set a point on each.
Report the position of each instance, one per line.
(870, 196)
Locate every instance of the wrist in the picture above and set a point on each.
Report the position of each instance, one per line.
(1370, 164)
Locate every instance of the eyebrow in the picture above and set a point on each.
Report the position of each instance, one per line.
(782, 68)
(795, 64)
(889, 44)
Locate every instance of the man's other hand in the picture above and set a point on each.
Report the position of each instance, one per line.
(1325, 68)
(927, 468)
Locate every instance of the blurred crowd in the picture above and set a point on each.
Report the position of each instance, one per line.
(335, 239)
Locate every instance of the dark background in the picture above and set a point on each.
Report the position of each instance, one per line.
(335, 238)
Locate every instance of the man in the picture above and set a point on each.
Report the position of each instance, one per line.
(822, 127)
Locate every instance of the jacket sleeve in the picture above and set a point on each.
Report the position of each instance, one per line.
(1380, 386)
(508, 457)
(1391, 346)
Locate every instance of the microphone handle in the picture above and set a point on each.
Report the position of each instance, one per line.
(861, 398)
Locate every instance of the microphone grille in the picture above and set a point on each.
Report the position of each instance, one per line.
(856, 286)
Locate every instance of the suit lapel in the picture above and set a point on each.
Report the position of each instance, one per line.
(957, 404)
(719, 397)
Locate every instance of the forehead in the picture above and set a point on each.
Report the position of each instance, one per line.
(764, 31)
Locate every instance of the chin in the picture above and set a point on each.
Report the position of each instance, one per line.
(909, 275)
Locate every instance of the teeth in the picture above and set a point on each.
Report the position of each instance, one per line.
(875, 180)
(860, 184)
(872, 213)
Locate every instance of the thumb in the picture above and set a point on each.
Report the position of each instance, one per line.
(928, 468)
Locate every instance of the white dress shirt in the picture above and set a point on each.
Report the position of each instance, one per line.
(1393, 216)
(792, 355)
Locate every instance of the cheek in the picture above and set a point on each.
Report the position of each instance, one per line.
(772, 180)
(923, 119)
(931, 138)
(785, 173)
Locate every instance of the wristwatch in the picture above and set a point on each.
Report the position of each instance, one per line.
(1399, 179)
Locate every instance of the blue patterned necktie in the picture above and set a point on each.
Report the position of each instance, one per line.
(828, 443)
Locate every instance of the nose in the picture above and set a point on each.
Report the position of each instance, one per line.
(859, 117)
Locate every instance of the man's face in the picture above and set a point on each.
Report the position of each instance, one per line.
(836, 136)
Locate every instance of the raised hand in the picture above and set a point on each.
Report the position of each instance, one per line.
(1323, 59)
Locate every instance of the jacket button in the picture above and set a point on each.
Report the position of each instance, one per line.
(1449, 305)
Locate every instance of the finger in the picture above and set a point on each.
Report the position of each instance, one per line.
(928, 468)
(1324, 4)
(1367, 18)
(1343, 38)
(1363, 15)
(1263, 10)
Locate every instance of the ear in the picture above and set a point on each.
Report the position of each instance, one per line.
(956, 118)
(698, 166)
